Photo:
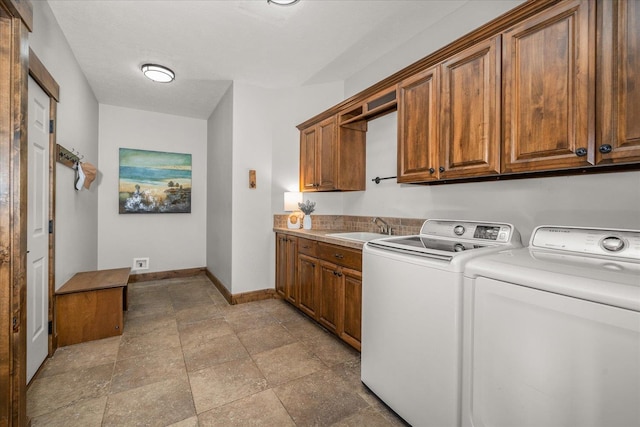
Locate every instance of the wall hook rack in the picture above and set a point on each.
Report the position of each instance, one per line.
(377, 179)
(69, 158)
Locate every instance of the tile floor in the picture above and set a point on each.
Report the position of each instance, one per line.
(187, 358)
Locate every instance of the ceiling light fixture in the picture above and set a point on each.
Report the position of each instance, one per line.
(158, 73)
(283, 2)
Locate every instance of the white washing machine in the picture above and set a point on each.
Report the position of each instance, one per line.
(552, 332)
(411, 315)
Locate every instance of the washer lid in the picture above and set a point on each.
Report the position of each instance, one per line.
(594, 278)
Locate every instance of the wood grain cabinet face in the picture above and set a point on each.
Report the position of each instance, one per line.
(331, 296)
(618, 112)
(351, 328)
(418, 101)
(470, 112)
(308, 159)
(332, 158)
(548, 76)
(286, 268)
(308, 284)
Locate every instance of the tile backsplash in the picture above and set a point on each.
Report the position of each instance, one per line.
(399, 226)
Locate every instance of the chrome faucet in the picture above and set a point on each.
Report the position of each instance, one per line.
(384, 227)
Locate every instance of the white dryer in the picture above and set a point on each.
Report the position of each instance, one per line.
(551, 333)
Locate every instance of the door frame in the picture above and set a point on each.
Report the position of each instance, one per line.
(45, 80)
(16, 20)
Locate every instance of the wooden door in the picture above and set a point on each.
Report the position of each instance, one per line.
(281, 264)
(308, 159)
(618, 111)
(308, 284)
(351, 330)
(326, 155)
(548, 83)
(470, 112)
(418, 100)
(291, 254)
(331, 295)
(37, 229)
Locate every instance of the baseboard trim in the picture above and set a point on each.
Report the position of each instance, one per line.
(218, 284)
(241, 298)
(159, 275)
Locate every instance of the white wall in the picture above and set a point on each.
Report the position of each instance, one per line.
(254, 128)
(471, 15)
(171, 241)
(219, 190)
(252, 220)
(76, 212)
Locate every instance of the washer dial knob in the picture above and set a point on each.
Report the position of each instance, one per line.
(459, 230)
(612, 244)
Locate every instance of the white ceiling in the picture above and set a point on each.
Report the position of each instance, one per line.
(209, 43)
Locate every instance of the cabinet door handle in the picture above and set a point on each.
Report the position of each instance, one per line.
(605, 148)
(306, 247)
(581, 152)
(339, 274)
(339, 256)
(441, 168)
(432, 170)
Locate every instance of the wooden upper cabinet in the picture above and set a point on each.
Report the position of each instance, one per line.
(332, 158)
(549, 88)
(470, 112)
(318, 157)
(418, 101)
(618, 111)
(308, 159)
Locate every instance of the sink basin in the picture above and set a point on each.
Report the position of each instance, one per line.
(359, 236)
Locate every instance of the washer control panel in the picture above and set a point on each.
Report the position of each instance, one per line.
(592, 241)
(470, 231)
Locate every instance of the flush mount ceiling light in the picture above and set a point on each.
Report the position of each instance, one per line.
(158, 73)
(283, 2)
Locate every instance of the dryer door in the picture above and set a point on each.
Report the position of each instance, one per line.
(534, 358)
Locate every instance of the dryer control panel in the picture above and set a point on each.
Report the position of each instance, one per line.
(624, 244)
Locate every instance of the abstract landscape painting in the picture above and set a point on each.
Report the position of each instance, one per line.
(154, 182)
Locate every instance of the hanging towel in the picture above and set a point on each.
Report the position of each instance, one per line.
(90, 172)
(80, 177)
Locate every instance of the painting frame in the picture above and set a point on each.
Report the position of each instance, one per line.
(154, 182)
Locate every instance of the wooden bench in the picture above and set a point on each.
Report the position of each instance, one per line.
(90, 306)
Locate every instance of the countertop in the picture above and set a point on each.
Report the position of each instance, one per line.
(321, 236)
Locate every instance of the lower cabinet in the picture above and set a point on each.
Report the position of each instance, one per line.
(352, 309)
(331, 296)
(308, 284)
(325, 283)
(286, 254)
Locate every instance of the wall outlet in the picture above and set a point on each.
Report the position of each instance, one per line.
(140, 264)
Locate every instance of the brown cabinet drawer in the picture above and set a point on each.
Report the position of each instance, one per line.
(350, 258)
(307, 247)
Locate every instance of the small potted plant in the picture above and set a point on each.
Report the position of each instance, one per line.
(306, 208)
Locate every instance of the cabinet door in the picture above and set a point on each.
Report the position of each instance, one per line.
(326, 155)
(331, 296)
(308, 284)
(548, 83)
(281, 264)
(352, 308)
(470, 112)
(290, 291)
(308, 159)
(418, 100)
(618, 113)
